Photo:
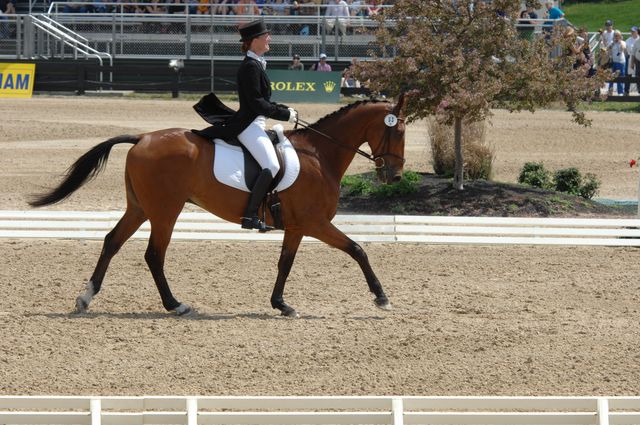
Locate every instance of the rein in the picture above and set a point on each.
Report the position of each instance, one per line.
(359, 151)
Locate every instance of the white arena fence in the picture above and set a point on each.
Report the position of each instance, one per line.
(318, 410)
(43, 224)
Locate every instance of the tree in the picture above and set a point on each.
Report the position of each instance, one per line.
(457, 59)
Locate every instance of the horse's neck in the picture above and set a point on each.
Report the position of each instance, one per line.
(347, 139)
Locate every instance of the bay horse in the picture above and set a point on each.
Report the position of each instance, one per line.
(167, 168)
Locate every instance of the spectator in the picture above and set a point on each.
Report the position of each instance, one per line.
(587, 57)
(322, 65)
(554, 13)
(635, 60)
(296, 65)
(616, 52)
(6, 8)
(528, 13)
(204, 7)
(525, 27)
(348, 79)
(246, 7)
(279, 7)
(631, 41)
(373, 8)
(337, 14)
(606, 36)
(75, 6)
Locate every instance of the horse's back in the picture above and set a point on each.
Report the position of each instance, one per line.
(171, 143)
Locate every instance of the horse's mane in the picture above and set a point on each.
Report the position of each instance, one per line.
(339, 112)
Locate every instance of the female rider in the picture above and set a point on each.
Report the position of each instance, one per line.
(254, 92)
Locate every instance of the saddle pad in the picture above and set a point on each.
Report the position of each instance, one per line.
(228, 165)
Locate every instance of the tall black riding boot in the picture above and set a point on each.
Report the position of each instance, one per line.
(260, 188)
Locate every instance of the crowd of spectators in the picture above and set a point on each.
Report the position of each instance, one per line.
(353, 8)
(621, 56)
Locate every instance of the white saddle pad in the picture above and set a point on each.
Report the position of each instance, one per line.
(228, 163)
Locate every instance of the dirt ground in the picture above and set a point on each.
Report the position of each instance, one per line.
(466, 320)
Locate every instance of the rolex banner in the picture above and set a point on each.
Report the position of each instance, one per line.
(304, 86)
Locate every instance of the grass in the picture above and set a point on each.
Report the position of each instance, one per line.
(593, 14)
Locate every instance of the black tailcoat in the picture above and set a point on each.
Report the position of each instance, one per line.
(254, 93)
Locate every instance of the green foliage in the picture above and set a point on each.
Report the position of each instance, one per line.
(590, 186)
(357, 185)
(534, 174)
(364, 185)
(406, 186)
(568, 180)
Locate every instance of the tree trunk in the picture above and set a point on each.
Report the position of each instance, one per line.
(459, 172)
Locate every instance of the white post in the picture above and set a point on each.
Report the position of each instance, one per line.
(96, 411)
(638, 185)
(603, 411)
(192, 411)
(398, 411)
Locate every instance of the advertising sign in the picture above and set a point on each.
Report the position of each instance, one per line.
(16, 79)
(304, 86)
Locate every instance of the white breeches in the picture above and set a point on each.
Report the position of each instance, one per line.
(255, 139)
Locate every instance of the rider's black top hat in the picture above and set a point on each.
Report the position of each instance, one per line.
(252, 30)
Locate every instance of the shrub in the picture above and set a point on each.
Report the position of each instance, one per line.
(478, 155)
(590, 187)
(534, 174)
(356, 185)
(568, 180)
(364, 185)
(406, 186)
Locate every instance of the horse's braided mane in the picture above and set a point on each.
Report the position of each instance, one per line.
(340, 111)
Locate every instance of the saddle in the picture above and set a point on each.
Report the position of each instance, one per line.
(234, 166)
(251, 166)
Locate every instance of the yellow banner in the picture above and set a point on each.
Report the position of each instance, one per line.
(17, 79)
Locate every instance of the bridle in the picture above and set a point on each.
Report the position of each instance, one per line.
(375, 158)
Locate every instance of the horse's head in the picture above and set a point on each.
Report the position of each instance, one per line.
(386, 139)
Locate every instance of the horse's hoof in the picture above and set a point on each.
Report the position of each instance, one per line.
(290, 312)
(81, 306)
(183, 310)
(383, 303)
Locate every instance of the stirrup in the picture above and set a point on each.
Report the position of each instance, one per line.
(255, 223)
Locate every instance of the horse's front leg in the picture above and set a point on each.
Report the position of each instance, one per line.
(332, 236)
(290, 246)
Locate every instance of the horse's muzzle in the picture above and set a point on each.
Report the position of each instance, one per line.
(389, 174)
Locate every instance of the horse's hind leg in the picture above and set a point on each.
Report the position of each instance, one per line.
(130, 222)
(161, 229)
(330, 235)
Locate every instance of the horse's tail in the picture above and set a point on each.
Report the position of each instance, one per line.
(87, 167)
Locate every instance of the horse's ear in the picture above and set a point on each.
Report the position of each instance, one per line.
(400, 103)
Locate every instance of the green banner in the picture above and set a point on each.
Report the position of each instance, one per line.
(304, 86)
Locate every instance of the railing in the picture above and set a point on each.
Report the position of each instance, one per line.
(191, 35)
(319, 410)
(362, 228)
(67, 37)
